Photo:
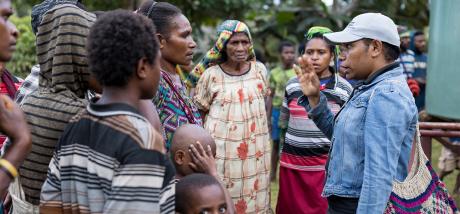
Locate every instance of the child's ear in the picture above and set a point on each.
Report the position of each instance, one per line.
(179, 157)
(142, 68)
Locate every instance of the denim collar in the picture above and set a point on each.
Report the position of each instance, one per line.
(381, 71)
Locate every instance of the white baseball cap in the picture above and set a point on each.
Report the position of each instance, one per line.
(370, 26)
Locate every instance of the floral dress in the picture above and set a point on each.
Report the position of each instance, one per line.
(237, 121)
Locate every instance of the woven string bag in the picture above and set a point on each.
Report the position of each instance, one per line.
(422, 191)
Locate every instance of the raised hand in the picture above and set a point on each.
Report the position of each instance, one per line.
(308, 80)
(202, 160)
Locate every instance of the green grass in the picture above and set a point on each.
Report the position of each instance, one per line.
(436, 152)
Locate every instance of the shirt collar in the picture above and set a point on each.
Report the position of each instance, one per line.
(379, 72)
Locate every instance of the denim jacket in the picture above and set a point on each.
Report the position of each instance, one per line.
(371, 138)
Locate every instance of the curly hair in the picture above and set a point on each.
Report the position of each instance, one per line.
(116, 43)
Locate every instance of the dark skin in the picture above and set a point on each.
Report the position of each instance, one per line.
(359, 61)
(455, 149)
(194, 151)
(237, 63)
(209, 199)
(287, 56)
(405, 41)
(237, 51)
(319, 56)
(149, 111)
(139, 87)
(177, 47)
(17, 131)
(420, 46)
(8, 32)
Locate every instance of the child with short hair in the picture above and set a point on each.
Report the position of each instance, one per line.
(193, 151)
(200, 193)
(192, 144)
(110, 159)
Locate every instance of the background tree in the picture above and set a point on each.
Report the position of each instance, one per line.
(268, 21)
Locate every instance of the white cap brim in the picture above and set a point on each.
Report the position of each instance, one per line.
(342, 37)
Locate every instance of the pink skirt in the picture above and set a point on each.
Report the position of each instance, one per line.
(300, 192)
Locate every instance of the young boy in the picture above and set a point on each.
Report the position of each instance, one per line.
(109, 159)
(200, 193)
(193, 150)
(279, 77)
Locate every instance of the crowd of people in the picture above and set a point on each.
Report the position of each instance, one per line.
(110, 121)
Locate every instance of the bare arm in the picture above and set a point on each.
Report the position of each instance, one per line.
(14, 125)
(446, 143)
(149, 111)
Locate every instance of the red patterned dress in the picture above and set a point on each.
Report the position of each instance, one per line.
(237, 120)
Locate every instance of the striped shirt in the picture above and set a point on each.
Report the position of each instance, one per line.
(63, 83)
(306, 147)
(105, 163)
(407, 60)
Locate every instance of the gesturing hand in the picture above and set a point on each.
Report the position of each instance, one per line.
(12, 121)
(308, 81)
(202, 160)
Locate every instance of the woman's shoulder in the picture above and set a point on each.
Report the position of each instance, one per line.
(259, 67)
(344, 84)
(215, 67)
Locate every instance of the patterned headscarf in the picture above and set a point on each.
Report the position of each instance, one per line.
(323, 30)
(214, 55)
(39, 10)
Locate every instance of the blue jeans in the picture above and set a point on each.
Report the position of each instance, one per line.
(276, 131)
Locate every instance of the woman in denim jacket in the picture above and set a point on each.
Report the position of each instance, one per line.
(372, 134)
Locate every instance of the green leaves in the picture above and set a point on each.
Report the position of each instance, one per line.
(24, 57)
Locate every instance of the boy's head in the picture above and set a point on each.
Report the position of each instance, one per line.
(369, 42)
(287, 53)
(123, 51)
(185, 136)
(200, 193)
(8, 32)
(405, 40)
(419, 42)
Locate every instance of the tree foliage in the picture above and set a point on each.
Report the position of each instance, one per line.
(269, 23)
(24, 57)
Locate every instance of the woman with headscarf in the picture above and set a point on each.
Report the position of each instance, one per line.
(174, 33)
(63, 84)
(231, 93)
(305, 150)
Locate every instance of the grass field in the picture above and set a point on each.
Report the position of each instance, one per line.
(436, 152)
